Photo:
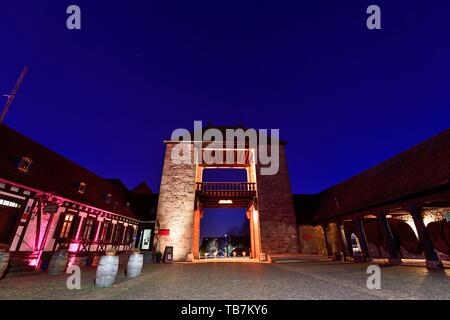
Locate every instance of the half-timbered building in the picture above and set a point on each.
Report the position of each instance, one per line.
(48, 202)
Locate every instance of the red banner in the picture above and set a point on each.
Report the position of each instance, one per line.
(307, 236)
(164, 232)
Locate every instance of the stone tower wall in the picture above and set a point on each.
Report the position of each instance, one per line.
(176, 206)
(279, 232)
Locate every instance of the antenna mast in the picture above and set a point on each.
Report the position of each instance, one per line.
(13, 94)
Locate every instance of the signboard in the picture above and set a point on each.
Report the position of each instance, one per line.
(168, 255)
(308, 236)
(448, 216)
(164, 232)
(51, 208)
(146, 239)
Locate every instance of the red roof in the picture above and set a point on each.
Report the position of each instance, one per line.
(423, 167)
(51, 172)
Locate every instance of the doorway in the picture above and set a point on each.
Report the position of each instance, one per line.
(225, 233)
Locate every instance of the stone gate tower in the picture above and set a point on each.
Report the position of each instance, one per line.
(183, 196)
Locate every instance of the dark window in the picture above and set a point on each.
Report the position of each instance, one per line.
(109, 234)
(105, 231)
(25, 164)
(87, 230)
(82, 187)
(128, 234)
(118, 233)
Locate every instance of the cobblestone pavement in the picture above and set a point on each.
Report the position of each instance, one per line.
(307, 280)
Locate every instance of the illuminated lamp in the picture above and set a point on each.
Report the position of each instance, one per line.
(225, 201)
(255, 215)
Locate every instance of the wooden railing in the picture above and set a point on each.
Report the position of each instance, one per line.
(226, 188)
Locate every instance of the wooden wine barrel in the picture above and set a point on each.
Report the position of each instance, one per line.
(435, 231)
(134, 266)
(58, 262)
(107, 271)
(4, 261)
(374, 251)
(408, 238)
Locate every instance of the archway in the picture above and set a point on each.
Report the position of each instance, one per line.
(225, 233)
(220, 189)
(356, 246)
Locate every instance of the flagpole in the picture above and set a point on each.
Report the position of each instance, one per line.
(13, 94)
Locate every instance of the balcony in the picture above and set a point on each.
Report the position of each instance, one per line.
(225, 194)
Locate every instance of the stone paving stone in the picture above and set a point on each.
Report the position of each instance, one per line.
(225, 281)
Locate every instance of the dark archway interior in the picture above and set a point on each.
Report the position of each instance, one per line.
(227, 225)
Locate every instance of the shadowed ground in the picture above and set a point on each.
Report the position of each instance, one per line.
(306, 280)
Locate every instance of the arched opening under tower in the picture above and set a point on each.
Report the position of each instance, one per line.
(225, 222)
(225, 233)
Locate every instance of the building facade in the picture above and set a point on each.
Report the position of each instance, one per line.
(48, 203)
(398, 210)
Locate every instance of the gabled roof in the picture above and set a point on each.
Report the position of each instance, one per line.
(142, 188)
(145, 204)
(51, 172)
(305, 205)
(424, 167)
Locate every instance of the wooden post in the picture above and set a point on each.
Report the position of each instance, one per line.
(44, 240)
(343, 239)
(38, 226)
(362, 238)
(327, 244)
(252, 233)
(394, 257)
(25, 227)
(433, 261)
(196, 233)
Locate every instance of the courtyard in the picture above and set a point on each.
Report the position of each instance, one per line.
(231, 281)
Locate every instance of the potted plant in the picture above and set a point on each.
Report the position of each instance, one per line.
(158, 257)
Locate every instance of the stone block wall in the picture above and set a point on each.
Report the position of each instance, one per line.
(334, 237)
(312, 240)
(278, 223)
(176, 206)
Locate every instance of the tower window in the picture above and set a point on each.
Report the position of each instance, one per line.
(25, 164)
(81, 187)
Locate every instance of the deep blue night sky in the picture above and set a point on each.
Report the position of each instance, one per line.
(343, 96)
